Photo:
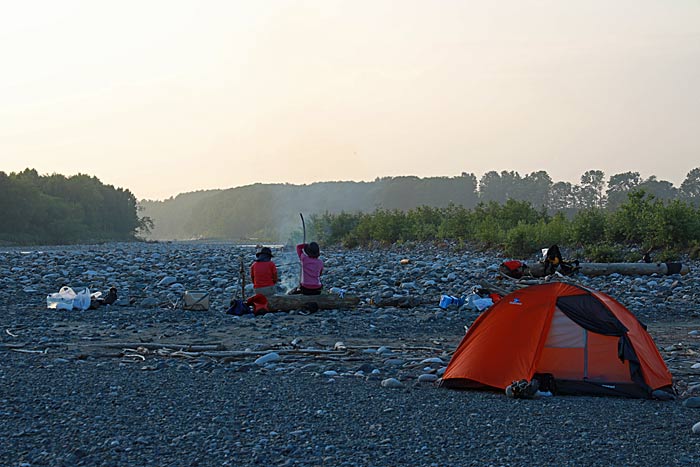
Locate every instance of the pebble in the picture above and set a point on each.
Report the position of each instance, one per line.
(392, 383)
(433, 360)
(692, 402)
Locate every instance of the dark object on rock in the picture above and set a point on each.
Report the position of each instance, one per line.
(109, 299)
(111, 296)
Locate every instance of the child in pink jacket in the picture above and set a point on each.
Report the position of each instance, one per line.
(311, 268)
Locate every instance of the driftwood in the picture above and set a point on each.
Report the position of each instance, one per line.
(627, 269)
(30, 351)
(157, 346)
(493, 288)
(11, 346)
(301, 302)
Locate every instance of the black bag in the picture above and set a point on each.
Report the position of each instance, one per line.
(552, 260)
(547, 382)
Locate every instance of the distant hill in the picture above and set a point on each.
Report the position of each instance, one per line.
(271, 211)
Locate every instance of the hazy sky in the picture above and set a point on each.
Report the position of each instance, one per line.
(163, 97)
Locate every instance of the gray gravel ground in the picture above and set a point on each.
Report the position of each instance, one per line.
(72, 395)
(106, 413)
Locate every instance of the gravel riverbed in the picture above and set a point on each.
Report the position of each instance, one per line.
(145, 383)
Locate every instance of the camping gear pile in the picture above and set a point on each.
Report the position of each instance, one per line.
(552, 263)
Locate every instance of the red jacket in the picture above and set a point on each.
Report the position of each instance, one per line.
(263, 273)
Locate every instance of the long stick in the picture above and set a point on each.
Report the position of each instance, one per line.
(242, 279)
(303, 227)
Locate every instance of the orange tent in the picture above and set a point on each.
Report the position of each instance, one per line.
(584, 341)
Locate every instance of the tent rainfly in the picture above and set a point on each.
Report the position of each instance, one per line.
(583, 340)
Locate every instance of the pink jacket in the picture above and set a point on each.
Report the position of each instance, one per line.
(311, 269)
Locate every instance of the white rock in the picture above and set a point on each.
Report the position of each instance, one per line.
(427, 378)
(695, 366)
(696, 428)
(392, 383)
(330, 373)
(167, 281)
(433, 360)
(339, 346)
(268, 358)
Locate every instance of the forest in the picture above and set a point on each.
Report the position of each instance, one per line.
(507, 210)
(54, 209)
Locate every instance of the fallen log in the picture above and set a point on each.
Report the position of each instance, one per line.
(304, 302)
(626, 269)
(157, 346)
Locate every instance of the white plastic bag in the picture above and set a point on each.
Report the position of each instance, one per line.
(476, 303)
(63, 300)
(82, 299)
(67, 299)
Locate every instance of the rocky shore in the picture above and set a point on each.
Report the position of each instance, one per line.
(143, 382)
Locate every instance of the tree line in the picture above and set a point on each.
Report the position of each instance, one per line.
(54, 209)
(643, 223)
(269, 212)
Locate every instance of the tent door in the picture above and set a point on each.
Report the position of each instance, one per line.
(585, 354)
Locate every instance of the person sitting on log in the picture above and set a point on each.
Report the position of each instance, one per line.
(311, 269)
(263, 272)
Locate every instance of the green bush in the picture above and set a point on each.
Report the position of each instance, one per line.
(604, 253)
(522, 240)
(642, 222)
(694, 250)
(676, 224)
(588, 226)
(635, 221)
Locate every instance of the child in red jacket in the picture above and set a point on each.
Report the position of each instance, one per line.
(263, 272)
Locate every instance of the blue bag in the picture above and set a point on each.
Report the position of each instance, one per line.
(239, 308)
